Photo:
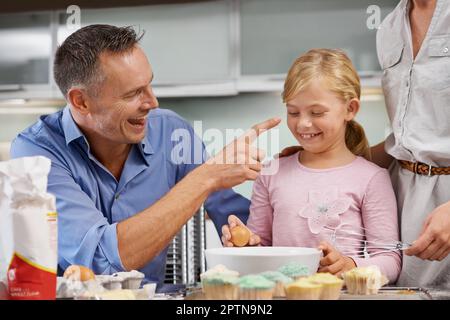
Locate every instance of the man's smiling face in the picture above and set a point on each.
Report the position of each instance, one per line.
(118, 111)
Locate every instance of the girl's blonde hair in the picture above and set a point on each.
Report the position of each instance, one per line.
(335, 68)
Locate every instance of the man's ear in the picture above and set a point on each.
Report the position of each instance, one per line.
(78, 99)
(352, 109)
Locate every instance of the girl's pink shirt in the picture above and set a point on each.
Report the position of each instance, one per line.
(293, 205)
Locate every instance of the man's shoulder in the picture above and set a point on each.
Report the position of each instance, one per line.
(166, 115)
(45, 126)
(165, 119)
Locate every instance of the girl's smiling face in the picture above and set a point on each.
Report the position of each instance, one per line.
(317, 117)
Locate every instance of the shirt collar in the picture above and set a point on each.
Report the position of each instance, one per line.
(72, 132)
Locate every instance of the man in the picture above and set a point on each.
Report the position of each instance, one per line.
(121, 197)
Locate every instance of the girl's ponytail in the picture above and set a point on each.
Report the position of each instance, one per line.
(356, 140)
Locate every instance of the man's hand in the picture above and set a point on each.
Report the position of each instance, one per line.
(239, 161)
(333, 261)
(234, 221)
(434, 240)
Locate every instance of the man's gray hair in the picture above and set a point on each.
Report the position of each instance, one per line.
(77, 59)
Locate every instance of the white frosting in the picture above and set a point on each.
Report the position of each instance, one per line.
(374, 280)
(219, 269)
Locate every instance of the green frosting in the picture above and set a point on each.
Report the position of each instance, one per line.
(277, 276)
(219, 279)
(294, 269)
(255, 282)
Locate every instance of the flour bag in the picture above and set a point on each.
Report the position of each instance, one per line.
(28, 229)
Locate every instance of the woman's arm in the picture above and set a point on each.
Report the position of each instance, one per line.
(380, 157)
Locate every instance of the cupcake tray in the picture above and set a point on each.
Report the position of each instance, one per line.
(392, 293)
(386, 293)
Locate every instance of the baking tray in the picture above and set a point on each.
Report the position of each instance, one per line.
(386, 293)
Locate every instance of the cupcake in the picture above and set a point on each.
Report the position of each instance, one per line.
(220, 287)
(331, 285)
(255, 287)
(364, 280)
(218, 269)
(280, 282)
(303, 289)
(294, 270)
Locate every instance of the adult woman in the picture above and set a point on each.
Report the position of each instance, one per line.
(413, 45)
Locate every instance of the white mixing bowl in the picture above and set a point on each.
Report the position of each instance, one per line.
(247, 260)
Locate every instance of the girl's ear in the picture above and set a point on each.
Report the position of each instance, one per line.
(352, 109)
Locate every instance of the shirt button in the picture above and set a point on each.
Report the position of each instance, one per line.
(445, 50)
(117, 196)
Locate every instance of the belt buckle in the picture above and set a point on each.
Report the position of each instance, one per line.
(429, 168)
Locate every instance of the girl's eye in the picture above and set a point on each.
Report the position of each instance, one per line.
(293, 114)
(317, 114)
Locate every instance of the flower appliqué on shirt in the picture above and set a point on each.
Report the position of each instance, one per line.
(323, 209)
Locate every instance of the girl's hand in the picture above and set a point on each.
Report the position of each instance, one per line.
(333, 261)
(234, 221)
(434, 241)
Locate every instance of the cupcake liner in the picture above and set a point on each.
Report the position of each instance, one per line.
(221, 291)
(256, 294)
(303, 293)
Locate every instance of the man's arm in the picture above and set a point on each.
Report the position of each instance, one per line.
(144, 235)
(380, 157)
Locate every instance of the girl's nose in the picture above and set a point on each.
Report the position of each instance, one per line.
(304, 122)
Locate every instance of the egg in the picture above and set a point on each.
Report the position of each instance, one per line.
(240, 236)
(79, 273)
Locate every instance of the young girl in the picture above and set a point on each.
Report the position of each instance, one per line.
(329, 185)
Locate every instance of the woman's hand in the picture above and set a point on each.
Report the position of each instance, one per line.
(289, 151)
(434, 240)
(234, 221)
(333, 261)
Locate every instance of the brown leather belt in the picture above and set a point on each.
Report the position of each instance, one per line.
(423, 168)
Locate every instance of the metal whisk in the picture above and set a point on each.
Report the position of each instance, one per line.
(357, 243)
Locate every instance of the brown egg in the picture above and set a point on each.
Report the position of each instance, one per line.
(240, 236)
(79, 273)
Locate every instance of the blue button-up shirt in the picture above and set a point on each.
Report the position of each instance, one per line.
(90, 201)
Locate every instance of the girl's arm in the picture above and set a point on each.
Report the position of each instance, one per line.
(379, 215)
(261, 211)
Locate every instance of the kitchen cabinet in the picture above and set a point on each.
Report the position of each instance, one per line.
(25, 54)
(208, 48)
(187, 44)
(274, 33)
